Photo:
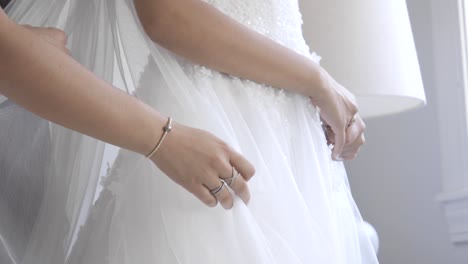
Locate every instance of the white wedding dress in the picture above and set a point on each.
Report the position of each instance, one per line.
(301, 208)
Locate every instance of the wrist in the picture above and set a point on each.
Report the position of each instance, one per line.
(318, 81)
(151, 132)
(166, 130)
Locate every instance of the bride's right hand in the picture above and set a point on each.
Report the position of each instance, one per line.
(197, 160)
(338, 108)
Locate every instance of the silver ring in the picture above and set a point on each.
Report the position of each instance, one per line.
(217, 189)
(234, 179)
(229, 181)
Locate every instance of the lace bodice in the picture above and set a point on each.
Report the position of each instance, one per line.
(279, 20)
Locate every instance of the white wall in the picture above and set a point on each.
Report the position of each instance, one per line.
(398, 174)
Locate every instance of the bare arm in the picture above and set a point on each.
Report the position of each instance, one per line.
(44, 80)
(39, 76)
(205, 35)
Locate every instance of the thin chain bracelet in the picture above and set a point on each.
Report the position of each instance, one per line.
(166, 129)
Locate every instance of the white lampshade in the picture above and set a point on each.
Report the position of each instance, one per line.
(368, 46)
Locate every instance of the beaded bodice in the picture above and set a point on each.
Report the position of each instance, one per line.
(279, 20)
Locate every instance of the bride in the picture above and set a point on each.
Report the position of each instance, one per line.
(299, 209)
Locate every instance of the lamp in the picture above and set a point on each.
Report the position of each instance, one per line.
(368, 47)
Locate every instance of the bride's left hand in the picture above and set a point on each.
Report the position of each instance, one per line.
(354, 138)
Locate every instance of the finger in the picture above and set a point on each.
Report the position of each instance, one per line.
(53, 36)
(355, 130)
(242, 165)
(340, 139)
(351, 150)
(356, 143)
(330, 136)
(204, 195)
(67, 51)
(352, 133)
(241, 188)
(58, 35)
(349, 155)
(224, 197)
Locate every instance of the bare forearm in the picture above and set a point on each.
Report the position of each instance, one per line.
(47, 82)
(201, 33)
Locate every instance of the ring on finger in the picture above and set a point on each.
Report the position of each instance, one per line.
(233, 179)
(217, 189)
(230, 180)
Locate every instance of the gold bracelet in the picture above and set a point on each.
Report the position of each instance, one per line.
(166, 129)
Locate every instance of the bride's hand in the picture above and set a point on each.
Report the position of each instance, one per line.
(197, 160)
(53, 36)
(354, 138)
(337, 109)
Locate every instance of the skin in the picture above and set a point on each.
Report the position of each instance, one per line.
(37, 73)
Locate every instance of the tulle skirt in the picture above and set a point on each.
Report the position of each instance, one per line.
(301, 210)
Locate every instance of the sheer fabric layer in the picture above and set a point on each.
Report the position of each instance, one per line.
(49, 184)
(301, 209)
